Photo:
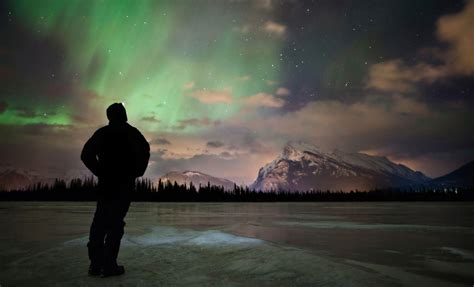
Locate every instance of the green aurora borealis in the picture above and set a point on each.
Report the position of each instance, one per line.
(139, 53)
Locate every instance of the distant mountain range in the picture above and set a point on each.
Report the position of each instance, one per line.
(197, 178)
(300, 166)
(461, 177)
(14, 179)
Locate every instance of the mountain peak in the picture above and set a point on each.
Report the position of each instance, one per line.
(304, 166)
(295, 150)
(461, 177)
(196, 177)
(301, 145)
(13, 179)
(193, 173)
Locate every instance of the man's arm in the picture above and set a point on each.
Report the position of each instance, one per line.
(144, 154)
(89, 154)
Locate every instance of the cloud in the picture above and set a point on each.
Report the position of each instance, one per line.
(49, 149)
(274, 28)
(212, 97)
(409, 106)
(3, 107)
(244, 29)
(253, 143)
(188, 86)
(177, 145)
(400, 126)
(396, 76)
(26, 112)
(160, 141)
(197, 122)
(271, 83)
(150, 119)
(214, 144)
(282, 91)
(241, 169)
(226, 155)
(30, 113)
(247, 152)
(243, 78)
(457, 30)
(264, 100)
(264, 4)
(456, 59)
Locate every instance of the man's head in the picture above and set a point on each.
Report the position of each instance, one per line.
(116, 113)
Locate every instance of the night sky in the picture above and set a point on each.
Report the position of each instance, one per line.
(221, 86)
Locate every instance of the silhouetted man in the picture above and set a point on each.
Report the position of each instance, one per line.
(117, 154)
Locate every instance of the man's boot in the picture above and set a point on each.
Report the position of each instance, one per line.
(96, 256)
(113, 271)
(111, 250)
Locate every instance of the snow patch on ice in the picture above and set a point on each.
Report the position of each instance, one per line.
(465, 254)
(169, 235)
(220, 238)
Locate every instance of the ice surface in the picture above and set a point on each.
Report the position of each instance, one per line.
(245, 244)
(406, 278)
(357, 225)
(185, 257)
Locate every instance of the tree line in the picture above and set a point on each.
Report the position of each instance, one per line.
(86, 189)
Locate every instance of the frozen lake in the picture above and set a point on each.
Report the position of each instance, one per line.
(246, 244)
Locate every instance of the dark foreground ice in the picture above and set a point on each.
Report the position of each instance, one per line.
(246, 244)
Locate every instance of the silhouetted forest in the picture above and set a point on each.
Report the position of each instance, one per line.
(86, 190)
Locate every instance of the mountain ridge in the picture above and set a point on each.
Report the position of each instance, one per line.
(303, 166)
(463, 176)
(195, 177)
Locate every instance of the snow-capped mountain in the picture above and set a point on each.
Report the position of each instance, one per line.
(12, 179)
(20, 178)
(302, 166)
(196, 178)
(72, 174)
